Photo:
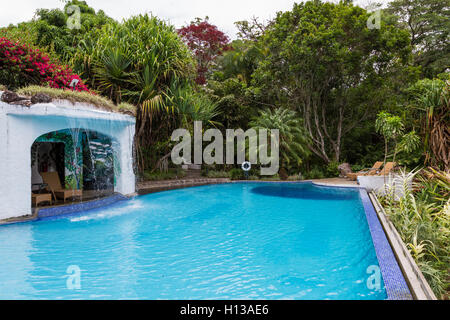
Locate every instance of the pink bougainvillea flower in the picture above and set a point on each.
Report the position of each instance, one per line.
(29, 63)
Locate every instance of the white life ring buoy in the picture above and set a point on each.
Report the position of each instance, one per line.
(246, 166)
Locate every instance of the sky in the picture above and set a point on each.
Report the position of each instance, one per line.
(222, 13)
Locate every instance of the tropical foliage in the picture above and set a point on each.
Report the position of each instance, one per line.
(293, 139)
(140, 61)
(318, 59)
(324, 62)
(59, 31)
(428, 23)
(430, 109)
(422, 217)
(239, 62)
(392, 128)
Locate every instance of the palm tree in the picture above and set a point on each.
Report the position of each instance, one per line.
(293, 136)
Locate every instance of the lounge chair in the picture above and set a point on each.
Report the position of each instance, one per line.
(54, 184)
(366, 172)
(387, 168)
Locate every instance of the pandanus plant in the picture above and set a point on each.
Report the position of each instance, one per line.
(139, 61)
(434, 104)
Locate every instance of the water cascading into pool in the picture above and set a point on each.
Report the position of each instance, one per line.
(97, 138)
(78, 170)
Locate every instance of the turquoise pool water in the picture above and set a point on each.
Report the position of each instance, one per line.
(229, 241)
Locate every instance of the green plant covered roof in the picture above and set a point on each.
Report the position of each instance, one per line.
(75, 96)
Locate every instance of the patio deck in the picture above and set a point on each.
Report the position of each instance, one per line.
(336, 182)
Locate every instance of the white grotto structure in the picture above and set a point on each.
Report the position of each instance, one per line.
(20, 126)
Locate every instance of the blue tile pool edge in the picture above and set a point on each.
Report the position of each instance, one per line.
(72, 209)
(394, 281)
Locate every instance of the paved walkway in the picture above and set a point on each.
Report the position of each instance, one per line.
(341, 182)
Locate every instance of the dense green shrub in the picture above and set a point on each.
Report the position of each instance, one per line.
(58, 30)
(236, 174)
(217, 174)
(275, 177)
(332, 169)
(314, 173)
(173, 173)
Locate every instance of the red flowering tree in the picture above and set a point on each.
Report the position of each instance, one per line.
(21, 65)
(207, 42)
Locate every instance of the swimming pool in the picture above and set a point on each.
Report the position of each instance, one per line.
(228, 241)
